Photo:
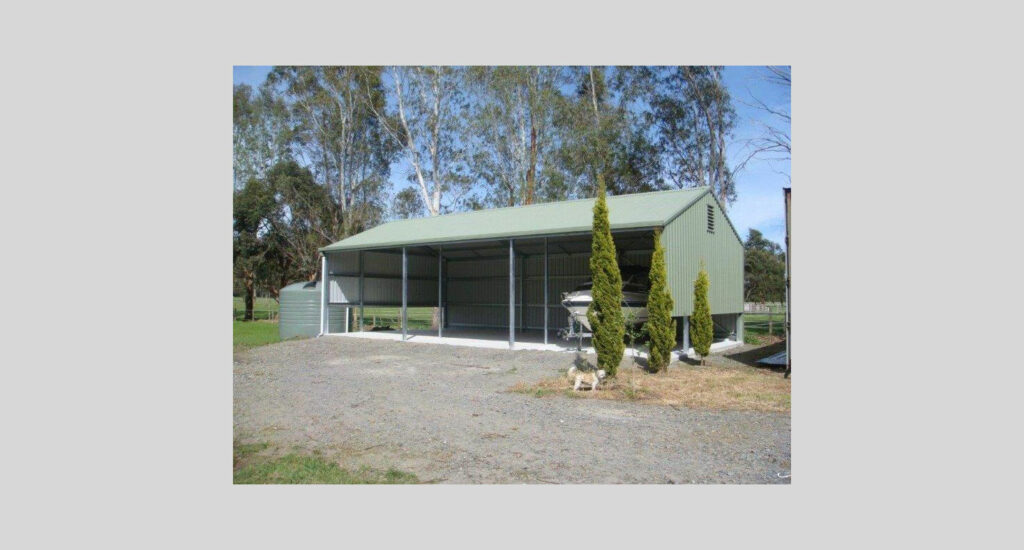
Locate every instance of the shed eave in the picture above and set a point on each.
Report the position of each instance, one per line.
(338, 247)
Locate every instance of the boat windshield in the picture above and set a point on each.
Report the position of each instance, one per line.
(634, 287)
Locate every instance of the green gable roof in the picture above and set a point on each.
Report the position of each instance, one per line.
(636, 211)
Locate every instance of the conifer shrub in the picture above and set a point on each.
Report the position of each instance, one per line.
(701, 328)
(660, 327)
(605, 311)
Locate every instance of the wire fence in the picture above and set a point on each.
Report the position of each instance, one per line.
(264, 309)
(377, 318)
(764, 319)
(763, 307)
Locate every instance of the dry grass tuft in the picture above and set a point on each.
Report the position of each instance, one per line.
(696, 387)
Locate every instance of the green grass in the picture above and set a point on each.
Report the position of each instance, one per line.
(249, 334)
(296, 469)
(419, 317)
(756, 324)
(268, 308)
(244, 451)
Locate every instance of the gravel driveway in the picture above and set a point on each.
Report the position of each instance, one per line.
(443, 413)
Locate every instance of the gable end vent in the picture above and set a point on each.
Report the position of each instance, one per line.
(711, 218)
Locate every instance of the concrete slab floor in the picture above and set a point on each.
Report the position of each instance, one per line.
(498, 339)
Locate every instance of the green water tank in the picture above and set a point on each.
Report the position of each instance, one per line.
(300, 310)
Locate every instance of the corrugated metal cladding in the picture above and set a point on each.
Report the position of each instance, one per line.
(382, 278)
(687, 241)
(477, 290)
(300, 312)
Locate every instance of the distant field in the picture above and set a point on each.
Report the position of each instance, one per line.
(268, 308)
(264, 308)
(756, 324)
(419, 317)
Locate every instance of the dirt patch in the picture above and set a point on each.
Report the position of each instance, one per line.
(696, 387)
(731, 381)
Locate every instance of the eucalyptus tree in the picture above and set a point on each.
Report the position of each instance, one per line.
(407, 204)
(427, 123)
(603, 134)
(587, 120)
(692, 115)
(337, 134)
(260, 133)
(712, 100)
(512, 131)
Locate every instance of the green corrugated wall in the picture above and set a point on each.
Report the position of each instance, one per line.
(687, 242)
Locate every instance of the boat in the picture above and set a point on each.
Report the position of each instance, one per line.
(634, 302)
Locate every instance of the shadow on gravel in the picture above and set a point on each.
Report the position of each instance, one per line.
(750, 357)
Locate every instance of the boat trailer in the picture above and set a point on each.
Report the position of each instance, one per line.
(574, 331)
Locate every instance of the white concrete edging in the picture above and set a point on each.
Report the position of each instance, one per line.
(519, 345)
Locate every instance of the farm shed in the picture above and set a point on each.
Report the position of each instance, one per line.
(502, 271)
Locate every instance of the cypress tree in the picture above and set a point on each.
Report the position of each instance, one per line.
(661, 328)
(701, 329)
(605, 311)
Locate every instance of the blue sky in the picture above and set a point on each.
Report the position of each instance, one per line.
(758, 187)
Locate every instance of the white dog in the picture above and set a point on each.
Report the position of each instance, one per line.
(579, 377)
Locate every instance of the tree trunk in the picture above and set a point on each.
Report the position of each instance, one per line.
(723, 191)
(531, 173)
(250, 298)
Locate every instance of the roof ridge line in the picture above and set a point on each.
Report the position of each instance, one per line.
(539, 204)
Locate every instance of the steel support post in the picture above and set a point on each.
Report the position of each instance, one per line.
(511, 295)
(440, 319)
(362, 308)
(324, 325)
(686, 333)
(405, 294)
(545, 291)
